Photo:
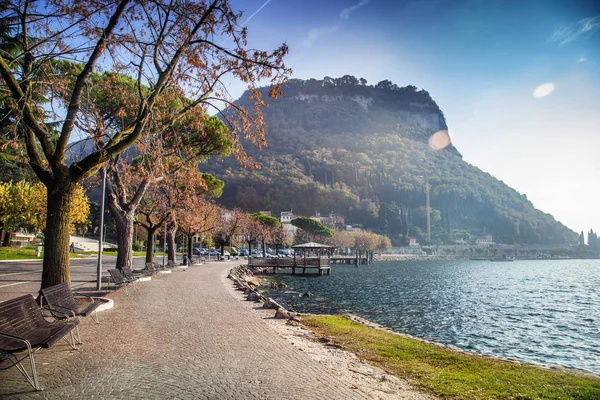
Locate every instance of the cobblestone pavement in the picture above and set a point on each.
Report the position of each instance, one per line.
(180, 336)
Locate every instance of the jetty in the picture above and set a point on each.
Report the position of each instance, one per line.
(312, 257)
(350, 260)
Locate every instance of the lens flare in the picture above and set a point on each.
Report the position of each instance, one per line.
(439, 140)
(543, 90)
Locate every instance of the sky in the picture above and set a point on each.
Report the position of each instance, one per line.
(518, 81)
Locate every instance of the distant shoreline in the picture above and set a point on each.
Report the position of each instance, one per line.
(412, 257)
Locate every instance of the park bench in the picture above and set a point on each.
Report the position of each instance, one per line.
(119, 279)
(60, 297)
(131, 277)
(154, 266)
(150, 269)
(24, 329)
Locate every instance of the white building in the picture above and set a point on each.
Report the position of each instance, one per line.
(286, 221)
(485, 239)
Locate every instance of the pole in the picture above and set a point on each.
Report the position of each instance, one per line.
(428, 209)
(100, 242)
(164, 243)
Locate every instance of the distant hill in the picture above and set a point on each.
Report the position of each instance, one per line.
(344, 146)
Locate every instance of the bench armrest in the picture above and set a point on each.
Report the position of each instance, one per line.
(55, 308)
(27, 342)
(81, 295)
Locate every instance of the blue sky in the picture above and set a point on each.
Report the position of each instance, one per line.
(481, 61)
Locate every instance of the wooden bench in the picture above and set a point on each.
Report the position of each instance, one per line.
(119, 279)
(131, 277)
(24, 329)
(60, 297)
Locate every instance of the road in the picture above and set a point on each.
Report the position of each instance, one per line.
(21, 277)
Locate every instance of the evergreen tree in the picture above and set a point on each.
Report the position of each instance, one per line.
(582, 239)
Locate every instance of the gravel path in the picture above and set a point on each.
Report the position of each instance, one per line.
(181, 336)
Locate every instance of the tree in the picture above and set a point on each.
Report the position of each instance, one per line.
(281, 237)
(593, 240)
(266, 225)
(312, 227)
(384, 243)
(363, 81)
(582, 239)
(251, 230)
(231, 226)
(159, 162)
(185, 47)
(342, 240)
(23, 206)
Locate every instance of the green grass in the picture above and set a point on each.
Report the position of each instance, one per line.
(450, 374)
(25, 253)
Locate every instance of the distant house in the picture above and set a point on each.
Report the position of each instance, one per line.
(337, 220)
(333, 220)
(412, 242)
(18, 239)
(485, 239)
(286, 221)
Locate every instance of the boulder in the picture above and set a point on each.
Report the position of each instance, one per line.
(253, 296)
(270, 303)
(282, 313)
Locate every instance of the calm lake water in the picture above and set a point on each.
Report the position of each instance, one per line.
(540, 311)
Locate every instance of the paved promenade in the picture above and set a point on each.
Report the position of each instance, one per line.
(181, 336)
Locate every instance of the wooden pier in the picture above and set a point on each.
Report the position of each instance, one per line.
(307, 256)
(350, 260)
(320, 265)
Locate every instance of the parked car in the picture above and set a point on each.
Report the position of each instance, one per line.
(243, 253)
(284, 252)
(196, 251)
(256, 253)
(215, 253)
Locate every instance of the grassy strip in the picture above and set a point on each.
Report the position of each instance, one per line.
(448, 373)
(24, 253)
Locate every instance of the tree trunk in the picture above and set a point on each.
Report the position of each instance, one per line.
(150, 244)
(124, 215)
(171, 231)
(124, 225)
(56, 266)
(6, 238)
(264, 249)
(189, 249)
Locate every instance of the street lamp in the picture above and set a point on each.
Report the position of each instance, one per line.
(100, 244)
(164, 243)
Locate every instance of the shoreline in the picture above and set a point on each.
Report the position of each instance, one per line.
(293, 335)
(372, 381)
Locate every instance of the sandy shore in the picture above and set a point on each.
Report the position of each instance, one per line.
(374, 382)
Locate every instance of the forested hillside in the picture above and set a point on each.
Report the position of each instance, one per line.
(341, 145)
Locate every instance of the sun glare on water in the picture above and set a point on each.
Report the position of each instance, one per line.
(543, 90)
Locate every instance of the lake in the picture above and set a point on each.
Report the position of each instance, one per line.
(543, 311)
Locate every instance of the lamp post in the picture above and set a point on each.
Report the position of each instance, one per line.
(101, 228)
(164, 243)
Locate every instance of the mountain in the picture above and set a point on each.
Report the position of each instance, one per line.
(340, 145)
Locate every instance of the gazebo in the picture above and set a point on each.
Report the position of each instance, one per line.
(314, 255)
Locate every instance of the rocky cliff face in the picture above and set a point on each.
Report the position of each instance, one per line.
(350, 108)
